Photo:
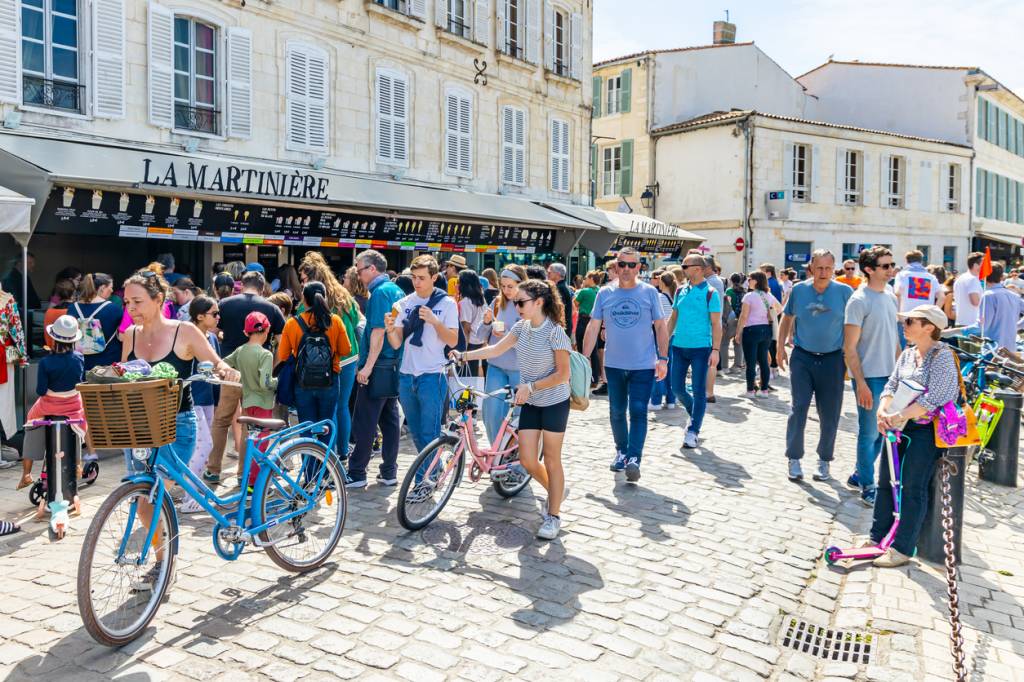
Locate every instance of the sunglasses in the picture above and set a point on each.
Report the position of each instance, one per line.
(147, 273)
(886, 266)
(624, 264)
(687, 266)
(848, 269)
(214, 313)
(520, 302)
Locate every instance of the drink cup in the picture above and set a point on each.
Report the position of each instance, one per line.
(499, 326)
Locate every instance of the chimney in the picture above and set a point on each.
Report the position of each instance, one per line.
(725, 33)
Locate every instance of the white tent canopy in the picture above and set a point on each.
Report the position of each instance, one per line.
(15, 215)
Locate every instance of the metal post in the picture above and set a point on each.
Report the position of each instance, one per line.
(24, 288)
(931, 543)
(1004, 443)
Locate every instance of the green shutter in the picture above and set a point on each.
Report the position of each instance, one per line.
(979, 193)
(626, 176)
(597, 96)
(593, 166)
(625, 89)
(982, 119)
(990, 125)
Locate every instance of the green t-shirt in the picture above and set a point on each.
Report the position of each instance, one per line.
(255, 363)
(585, 299)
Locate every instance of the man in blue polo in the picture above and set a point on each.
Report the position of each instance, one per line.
(815, 313)
(695, 327)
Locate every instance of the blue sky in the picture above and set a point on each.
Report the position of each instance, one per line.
(801, 34)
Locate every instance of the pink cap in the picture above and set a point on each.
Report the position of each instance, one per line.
(256, 322)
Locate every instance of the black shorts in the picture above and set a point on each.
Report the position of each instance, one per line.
(552, 418)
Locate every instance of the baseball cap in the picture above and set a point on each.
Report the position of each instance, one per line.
(223, 280)
(929, 313)
(256, 322)
(255, 267)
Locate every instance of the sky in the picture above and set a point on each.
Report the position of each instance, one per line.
(802, 34)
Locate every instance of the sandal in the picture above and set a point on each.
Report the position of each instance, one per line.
(8, 527)
(25, 482)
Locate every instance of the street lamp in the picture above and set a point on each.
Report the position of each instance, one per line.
(648, 197)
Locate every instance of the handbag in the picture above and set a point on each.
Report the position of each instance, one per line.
(383, 381)
(285, 373)
(772, 317)
(956, 425)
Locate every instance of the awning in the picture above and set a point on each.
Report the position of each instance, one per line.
(35, 166)
(15, 215)
(1001, 238)
(619, 230)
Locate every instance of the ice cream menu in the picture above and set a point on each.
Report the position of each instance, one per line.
(77, 210)
(646, 244)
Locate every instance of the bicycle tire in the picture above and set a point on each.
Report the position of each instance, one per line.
(511, 491)
(93, 622)
(455, 477)
(333, 491)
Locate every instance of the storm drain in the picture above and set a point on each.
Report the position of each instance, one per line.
(478, 537)
(828, 644)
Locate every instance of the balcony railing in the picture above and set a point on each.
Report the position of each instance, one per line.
(457, 27)
(52, 94)
(513, 50)
(560, 68)
(198, 119)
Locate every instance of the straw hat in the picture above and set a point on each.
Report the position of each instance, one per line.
(64, 329)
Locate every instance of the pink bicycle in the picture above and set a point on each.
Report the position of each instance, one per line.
(438, 469)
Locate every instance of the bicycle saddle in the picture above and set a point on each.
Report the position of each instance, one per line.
(268, 424)
(997, 378)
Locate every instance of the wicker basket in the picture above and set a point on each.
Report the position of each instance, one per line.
(139, 414)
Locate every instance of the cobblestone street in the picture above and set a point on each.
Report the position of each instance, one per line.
(695, 573)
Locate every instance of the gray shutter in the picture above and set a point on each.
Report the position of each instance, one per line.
(943, 187)
(239, 82)
(108, 58)
(626, 177)
(400, 103)
(883, 181)
(499, 25)
(534, 19)
(521, 141)
(441, 13)
(549, 36)
(840, 174)
(925, 202)
(319, 100)
(576, 45)
(507, 140)
(482, 22)
(965, 187)
(815, 174)
(787, 167)
(867, 170)
(625, 90)
(451, 132)
(161, 66)
(598, 90)
(10, 51)
(418, 9)
(296, 98)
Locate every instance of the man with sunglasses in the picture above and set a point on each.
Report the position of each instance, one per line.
(870, 347)
(636, 355)
(849, 276)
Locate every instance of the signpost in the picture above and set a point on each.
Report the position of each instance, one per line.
(740, 244)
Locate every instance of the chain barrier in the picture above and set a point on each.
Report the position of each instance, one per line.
(956, 634)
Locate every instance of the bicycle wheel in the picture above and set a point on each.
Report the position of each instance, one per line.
(117, 597)
(420, 501)
(514, 483)
(306, 540)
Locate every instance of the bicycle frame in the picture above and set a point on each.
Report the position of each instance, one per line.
(484, 457)
(164, 464)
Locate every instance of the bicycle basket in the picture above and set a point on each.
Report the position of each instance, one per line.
(973, 346)
(139, 414)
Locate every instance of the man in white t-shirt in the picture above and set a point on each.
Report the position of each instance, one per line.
(915, 286)
(967, 291)
(426, 321)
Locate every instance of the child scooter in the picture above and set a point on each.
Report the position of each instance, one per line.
(61, 462)
(834, 555)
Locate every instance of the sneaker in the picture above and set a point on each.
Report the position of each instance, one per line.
(421, 493)
(670, 406)
(867, 497)
(190, 506)
(146, 581)
(752, 394)
(655, 406)
(822, 474)
(769, 389)
(549, 528)
(386, 481)
(211, 477)
(796, 472)
(891, 559)
(853, 481)
(632, 470)
(352, 485)
(690, 440)
(601, 390)
(619, 463)
(762, 394)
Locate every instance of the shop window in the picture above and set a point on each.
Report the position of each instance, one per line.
(458, 133)
(560, 172)
(195, 76)
(513, 145)
(307, 106)
(392, 117)
(895, 169)
(51, 59)
(801, 172)
(952, 187)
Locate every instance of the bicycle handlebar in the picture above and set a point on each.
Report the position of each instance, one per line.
(210, 378)
(504, 393)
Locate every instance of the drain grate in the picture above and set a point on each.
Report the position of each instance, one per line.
(477, 537)
(828, 644)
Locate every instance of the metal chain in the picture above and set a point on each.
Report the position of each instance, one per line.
(956, 635)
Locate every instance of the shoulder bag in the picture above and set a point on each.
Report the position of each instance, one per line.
(956, 425)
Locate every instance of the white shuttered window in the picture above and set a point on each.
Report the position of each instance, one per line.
(513, 145)
(108, 58)
(392, 117)
(307, 105)
(458, 133)
(239, 85)
(560, 172)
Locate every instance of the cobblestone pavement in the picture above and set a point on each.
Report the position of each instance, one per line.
(695, 573)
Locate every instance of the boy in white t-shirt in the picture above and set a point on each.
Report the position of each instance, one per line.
(967, 291)
(915, 286)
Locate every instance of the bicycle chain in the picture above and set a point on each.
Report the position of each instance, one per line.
(956, 635)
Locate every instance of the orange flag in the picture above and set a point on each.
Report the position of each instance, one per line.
(986, 265)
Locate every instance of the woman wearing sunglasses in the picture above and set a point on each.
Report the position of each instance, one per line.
(204, 313)
(542, 350)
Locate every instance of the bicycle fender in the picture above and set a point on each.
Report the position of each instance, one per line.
(149, 479)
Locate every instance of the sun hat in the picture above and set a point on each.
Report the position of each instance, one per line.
(458, 261)
(929, 313)
(64, 329)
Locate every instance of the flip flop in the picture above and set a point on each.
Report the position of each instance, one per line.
(8, 527)
(25, 484)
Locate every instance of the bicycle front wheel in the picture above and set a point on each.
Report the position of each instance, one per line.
(117, 594)
(304, 541)
(429, 483)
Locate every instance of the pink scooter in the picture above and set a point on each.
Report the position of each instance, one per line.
(834, 555)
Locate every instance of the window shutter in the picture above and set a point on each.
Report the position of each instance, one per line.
(466, 139)
(576, 45)
(385, 104)
(965, 188)
(533, 30)
(319, 101)
(10, 51)
(401, 127)
(507, 140)
(840, 174)
(297, 103)
(499, 21)
(906, 168)
(982, 119)
(593, 169)
(418, 9)
(943, 186)
(482, 21)
(815, 173)
(458, 134)
(239, 82)
(451, 133)
(883, 181)
(787, 166)
(866, 170)
(441, 13)
(559, 155)
(520, 145)
(161, 66)
(990, 122)
(626, 177)
(625, 90)
(598, 89)
(108, 58)
(924, 187)
(549, 36)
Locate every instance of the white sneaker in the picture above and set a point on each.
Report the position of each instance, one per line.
(655, 406)
(752, 394)
(549, 528)
(354, 485)
(389, 482)
(690, 440)
(190, 506)
(670, 406)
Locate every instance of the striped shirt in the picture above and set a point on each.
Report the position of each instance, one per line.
(535, 348)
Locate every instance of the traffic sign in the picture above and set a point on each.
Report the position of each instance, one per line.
(740, 244)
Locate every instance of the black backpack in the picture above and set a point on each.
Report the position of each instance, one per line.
(314, 361)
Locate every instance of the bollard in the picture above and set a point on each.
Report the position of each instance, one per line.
(1004, 444)
(930, 545)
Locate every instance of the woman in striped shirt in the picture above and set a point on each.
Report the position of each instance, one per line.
(542, 349)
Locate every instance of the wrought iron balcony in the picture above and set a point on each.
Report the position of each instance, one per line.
(560, 68)
(457, 27)
(199, 119)
(51, 94)
(513, 50)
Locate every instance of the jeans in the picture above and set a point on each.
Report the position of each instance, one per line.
(756, 340)
(182, 447)
(869, 440)
(682, 360)
(368, 415)
(918, 457)
(629, 390)
(820, 377)
(423, 400)
(317, 404)
(729, 338)
(346, 381)
(663, 388)
(495, 409)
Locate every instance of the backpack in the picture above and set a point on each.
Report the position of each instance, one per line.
(580, 376)
(314, 361)
(93, 341)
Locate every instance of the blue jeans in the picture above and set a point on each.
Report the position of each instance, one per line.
(629, 390)
(423, 400)
(495, 409)
(869, 440)
(346, 380)
(184, 443)
(682, 360)
(918, 457)
(317, 404)
(663, 388)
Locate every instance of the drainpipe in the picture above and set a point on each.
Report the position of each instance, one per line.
(970, 204)
(652, 171)
(748, 190)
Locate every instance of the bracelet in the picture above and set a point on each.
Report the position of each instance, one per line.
(662, 359)
(530, 386)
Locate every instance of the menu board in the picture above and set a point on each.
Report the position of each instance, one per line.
(646, 244)
(128, 214)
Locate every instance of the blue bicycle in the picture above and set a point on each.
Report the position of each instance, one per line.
(295, 510)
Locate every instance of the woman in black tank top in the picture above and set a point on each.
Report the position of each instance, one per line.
(185, 368)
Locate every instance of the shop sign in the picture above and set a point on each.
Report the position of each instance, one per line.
(205, 177)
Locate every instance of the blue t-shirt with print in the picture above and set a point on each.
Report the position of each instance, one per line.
(693, 306)
(384, 294)
(819, 317)
(628, 316)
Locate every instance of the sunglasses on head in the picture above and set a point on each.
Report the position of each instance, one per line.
(147, 273)
(520, 302)
(626, 264)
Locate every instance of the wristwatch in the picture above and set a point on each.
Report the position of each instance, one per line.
(662, 359)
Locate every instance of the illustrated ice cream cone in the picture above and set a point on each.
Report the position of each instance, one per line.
(150, 201)
(175, 203)
(197, 209)
(69, 196)
(97, 197)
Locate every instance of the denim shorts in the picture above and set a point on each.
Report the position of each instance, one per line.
(182, 447)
